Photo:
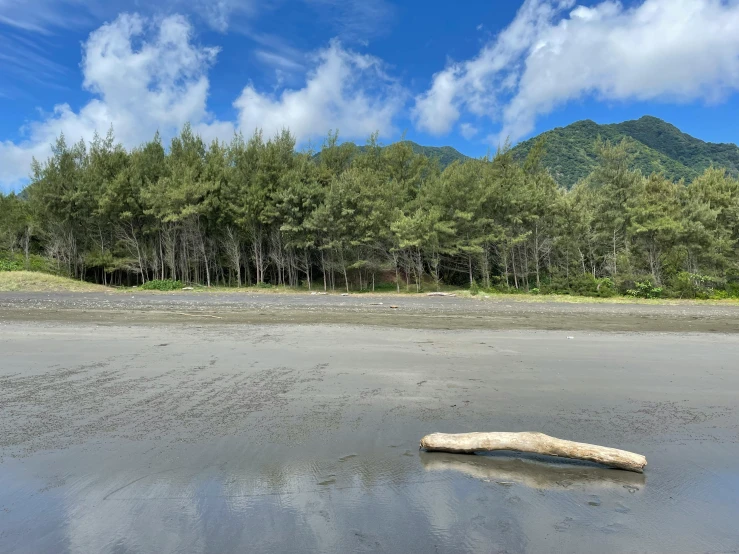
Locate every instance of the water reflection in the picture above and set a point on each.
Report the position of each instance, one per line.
(533, 471)
(232, 498)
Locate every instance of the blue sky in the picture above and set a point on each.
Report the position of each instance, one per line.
(462, 74)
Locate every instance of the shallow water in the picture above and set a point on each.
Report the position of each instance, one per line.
(305, 438)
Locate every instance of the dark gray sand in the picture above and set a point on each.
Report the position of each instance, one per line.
(409, 311)
(190, 436)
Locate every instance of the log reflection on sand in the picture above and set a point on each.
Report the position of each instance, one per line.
(533, 471)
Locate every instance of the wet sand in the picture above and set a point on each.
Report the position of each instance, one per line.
(130, 433)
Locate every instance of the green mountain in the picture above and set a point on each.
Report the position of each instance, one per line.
(445, 154)
(570, 155)
(656, 146)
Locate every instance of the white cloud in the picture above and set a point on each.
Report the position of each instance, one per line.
(158, 85)
(468, 130)
(554, 52)
(345, 91)
(355, 19)
(44, 16)
(278, 61)
(217, 13)
(149, 75)
(41, 16)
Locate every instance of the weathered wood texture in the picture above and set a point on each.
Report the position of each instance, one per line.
(534, 443)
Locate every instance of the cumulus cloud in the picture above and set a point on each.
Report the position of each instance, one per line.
(149, 75)
(158, 85)
(554, 52)
(344, 90)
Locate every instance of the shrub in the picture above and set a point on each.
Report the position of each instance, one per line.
(645, 289)
(17, 262)
(720, 295)
(380, 286)
(732, 284)
(474, 288)
(163, 285)
(11, 265)
(692, 285)
(582, 285)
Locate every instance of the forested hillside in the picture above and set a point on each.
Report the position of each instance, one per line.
(655, 146)
(257, 212)
(445, 155)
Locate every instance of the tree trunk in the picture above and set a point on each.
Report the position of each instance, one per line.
(536, 254)
(654, 262)
(535, 443)
(306, 260)
(614, 253)
(507, 273)
(397, 272)
(26, 243)
(323, 268)
(258, 248)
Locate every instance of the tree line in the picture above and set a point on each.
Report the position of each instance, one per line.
(258, 212)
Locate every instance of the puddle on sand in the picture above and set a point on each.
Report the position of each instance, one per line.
(233, 500)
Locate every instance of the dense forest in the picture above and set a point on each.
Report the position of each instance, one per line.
(258, 212)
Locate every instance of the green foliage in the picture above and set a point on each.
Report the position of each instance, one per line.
(444, 155)
(581, 285)
(474, 288)
(656, 146)
(645, 289)
(256, 212)
(18, 262)
(162, 285)
(732, 285)
(11, 265)
(692, 285)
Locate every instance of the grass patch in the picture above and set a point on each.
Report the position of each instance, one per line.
(32, 281)
(574, 299)
(162, 285)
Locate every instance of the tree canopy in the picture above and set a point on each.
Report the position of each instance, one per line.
(256, 211)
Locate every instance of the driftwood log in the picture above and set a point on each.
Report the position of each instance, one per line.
(534, 443)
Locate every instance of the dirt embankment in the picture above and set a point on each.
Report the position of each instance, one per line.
(33, 281)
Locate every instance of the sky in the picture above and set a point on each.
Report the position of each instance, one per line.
(467, 74)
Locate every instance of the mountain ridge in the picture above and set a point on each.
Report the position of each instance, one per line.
(656, 146)
(570, 152)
